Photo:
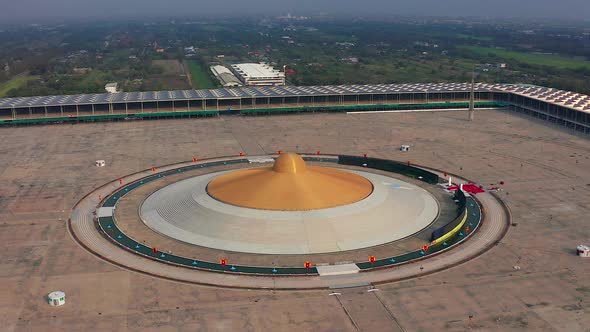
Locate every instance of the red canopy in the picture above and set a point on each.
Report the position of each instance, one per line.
(471, 188)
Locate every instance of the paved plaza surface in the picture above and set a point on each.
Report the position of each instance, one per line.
(129, 221)
(45, 170)
(184, 211)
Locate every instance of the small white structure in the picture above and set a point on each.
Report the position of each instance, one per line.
(405, 148)
(100, 163)
(56, 298)
(112, 87)
(583, 251)
(102, 212)
(339, 269)
(260, 160)
(450, 181)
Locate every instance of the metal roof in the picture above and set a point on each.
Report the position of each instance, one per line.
(563, 98)
(244, 92)
(573, 100)
(257, 71)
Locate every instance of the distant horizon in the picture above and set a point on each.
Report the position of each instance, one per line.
(42, 12)
(183, 18)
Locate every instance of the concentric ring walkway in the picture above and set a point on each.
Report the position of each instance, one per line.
(84, 231)
(394, 210)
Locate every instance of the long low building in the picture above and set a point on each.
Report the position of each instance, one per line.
(225, 76)
(258, 74)
(565, 108)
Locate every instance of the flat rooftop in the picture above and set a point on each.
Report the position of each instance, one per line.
(224, 75)
(218, 69)
(257, 71)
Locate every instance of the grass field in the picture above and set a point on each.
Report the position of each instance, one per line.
(200, 76)
(16, 83)
(529, 58)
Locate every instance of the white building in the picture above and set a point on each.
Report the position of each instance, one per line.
(112, 87)
(259, 74)
(225, 76)
(56, 298)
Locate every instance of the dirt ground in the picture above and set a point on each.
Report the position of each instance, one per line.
(170, 67)
(44, 170)
(173, 76)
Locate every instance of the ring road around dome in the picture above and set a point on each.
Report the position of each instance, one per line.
(192, 199)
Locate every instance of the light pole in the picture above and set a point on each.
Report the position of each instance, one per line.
(284, 74)
(472, 96)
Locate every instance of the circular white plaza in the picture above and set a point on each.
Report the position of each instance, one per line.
(185, 211)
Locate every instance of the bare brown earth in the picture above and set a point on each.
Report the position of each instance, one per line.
(173, 76)
(169, 67)
(45, 170)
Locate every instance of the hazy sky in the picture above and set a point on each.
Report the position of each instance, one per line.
(29, 11)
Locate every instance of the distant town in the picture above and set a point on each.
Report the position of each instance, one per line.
(289, 49)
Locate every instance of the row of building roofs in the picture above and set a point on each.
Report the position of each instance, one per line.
(568, 99)
(241, 92)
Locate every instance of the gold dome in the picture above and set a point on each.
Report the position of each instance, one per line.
(290, 185)
(289, 163)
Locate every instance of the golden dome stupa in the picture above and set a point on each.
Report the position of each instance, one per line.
(290, 185)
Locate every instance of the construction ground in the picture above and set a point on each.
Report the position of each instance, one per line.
(531, 280)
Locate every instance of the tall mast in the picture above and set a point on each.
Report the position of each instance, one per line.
(472, 97)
